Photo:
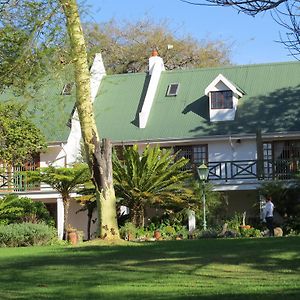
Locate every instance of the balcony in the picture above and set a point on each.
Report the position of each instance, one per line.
(11, 182)
(252, 170)
(241, 171)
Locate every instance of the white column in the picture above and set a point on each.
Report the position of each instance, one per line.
(60, 218)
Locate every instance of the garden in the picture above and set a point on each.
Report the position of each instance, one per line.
(156, 179)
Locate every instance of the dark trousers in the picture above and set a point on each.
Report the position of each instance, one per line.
(270, 225)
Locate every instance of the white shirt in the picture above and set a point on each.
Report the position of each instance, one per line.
(268, 211)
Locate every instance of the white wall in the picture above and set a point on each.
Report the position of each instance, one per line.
(232, 149)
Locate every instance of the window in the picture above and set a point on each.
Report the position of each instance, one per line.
(197, 154)
(221, 100)
(173, 89)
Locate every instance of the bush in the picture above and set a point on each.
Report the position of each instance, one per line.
(27, 234)
(128, 231)
(23, 209)
(249, 232)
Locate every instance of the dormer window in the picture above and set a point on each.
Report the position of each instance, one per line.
(173, 89)
(221, 99)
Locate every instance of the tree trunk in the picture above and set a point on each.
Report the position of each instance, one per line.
(66, 202)
(96, 158)
(137, 214)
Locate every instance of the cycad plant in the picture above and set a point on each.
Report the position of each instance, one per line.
(63, 180)
(153, 178)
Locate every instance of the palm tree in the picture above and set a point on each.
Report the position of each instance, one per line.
(63, 180)
(153, 178)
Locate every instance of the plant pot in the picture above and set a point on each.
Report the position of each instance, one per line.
(72, 237)
(157, 234)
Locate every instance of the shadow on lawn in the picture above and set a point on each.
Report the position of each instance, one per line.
(93, 271)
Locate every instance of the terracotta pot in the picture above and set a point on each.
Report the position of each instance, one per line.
(72, 237)
(157, 235)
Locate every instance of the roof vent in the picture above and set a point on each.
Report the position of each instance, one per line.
(173, 89)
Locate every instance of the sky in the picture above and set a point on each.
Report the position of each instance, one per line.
(251, 39)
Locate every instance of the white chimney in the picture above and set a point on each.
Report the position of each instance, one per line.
(156, 66)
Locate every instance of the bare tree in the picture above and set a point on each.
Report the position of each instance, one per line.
(284, 12)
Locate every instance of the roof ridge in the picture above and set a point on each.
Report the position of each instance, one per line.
(232, 67)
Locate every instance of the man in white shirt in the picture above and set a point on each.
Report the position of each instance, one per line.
(268, 215)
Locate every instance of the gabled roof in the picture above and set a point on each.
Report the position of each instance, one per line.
(233, 87)
(271, 102)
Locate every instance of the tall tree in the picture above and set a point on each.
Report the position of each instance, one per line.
(98, 154)
(41, 22)
(284, 12)
(126, 46)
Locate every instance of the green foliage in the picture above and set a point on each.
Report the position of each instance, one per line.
(215, 204)
(27, 234)
(152, 178)
(8, 208)
(32, 34)
(235, 222)
(286, 202)
(63, 180)
(19, 137)
(249, 232)
(128, 231)
(14, 209)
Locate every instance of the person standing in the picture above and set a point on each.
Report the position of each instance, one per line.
(268, 215)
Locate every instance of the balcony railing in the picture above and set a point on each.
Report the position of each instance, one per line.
(16, 182)
(226, 171)
(244, 170)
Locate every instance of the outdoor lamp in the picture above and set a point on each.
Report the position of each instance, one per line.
(203, 174)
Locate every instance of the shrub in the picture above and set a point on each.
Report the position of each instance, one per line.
(128, 231)
(23, 209)
(27, 234)
(249, 232)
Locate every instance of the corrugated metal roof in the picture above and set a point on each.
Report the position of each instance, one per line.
(49, 110)
(272, 102)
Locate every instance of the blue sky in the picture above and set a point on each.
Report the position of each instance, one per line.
(252, 39)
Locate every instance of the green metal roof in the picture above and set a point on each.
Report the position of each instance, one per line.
(49, 110)
(272, 102)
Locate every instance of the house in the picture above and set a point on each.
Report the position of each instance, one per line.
(242, 121)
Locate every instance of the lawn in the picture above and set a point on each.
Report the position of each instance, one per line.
(266, 268)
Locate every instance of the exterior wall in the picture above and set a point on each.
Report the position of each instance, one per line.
(79, 220)
(232, 150)
(243, 201)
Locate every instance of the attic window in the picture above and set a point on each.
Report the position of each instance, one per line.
(173, 89)
(221, 100)
(67, 89)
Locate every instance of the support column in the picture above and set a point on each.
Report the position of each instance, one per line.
(60, 218)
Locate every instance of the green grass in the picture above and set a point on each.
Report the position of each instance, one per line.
(266, 268)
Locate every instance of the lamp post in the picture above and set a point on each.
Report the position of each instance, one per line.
(203, 174)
